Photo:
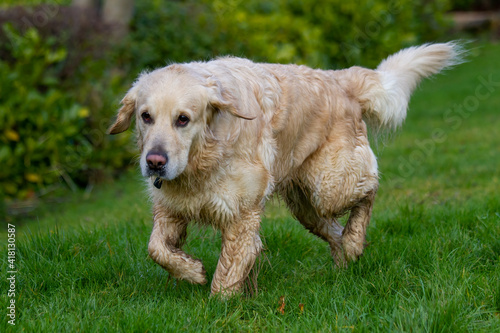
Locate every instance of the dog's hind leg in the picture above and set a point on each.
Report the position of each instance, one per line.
(339, 177)
(169, 233)
(353, 236)
(327, 229)
(241, 245)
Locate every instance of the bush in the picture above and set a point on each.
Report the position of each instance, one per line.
(325, 33)
(57, 99)
(36, 117)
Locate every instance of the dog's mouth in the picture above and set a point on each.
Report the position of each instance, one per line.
(156, 176)
(162, 172)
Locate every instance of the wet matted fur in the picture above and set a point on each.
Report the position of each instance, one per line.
(220, 137)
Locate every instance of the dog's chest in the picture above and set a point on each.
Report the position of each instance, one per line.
(217, 199)
(213, 204)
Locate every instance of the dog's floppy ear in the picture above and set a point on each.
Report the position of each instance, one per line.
(221, 99)
(125, 113)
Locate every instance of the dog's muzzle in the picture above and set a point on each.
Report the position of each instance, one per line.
(157, 161)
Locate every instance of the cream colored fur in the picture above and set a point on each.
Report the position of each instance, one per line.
(256, 129)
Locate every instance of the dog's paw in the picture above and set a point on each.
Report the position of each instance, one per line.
(352, 250)
(195, 273)
(179, 264)
(225, 294)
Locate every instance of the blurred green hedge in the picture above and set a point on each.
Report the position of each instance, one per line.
(58, 93)
(323, 33)
(37, 118)
(60, 83)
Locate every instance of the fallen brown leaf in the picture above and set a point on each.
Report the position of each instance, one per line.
(281, 309)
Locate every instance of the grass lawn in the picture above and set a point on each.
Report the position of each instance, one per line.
(432, 264)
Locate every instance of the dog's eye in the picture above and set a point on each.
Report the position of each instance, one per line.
(146, 117)
(182, 121)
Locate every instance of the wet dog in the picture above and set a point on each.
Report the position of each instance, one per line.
(218, 138)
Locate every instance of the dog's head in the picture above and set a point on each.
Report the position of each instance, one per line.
(173, 106)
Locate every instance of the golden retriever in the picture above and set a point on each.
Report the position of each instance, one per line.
(218, 138)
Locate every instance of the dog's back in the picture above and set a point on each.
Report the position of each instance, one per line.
(303, 105)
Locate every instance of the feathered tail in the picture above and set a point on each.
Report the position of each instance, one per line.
(385, 92)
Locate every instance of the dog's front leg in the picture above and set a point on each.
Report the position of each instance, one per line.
(241, 245)
(166, 239)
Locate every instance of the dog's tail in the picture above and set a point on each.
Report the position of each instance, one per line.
(384, 93)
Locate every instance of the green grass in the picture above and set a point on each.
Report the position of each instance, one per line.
(432, 264)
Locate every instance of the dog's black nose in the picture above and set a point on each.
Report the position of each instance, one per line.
(156, 160)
